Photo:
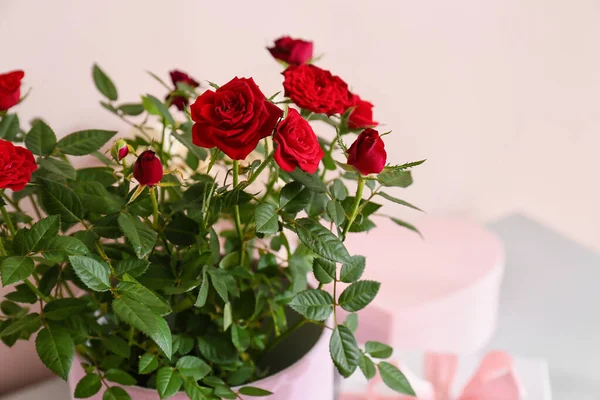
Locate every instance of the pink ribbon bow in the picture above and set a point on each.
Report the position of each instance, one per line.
(494, 379)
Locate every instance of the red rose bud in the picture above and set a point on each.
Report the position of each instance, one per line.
(148, 169)
(178, 101)
(233, 118)
(297, 144)
(316, 89)
(178, 76)
(292, 51)
(10, 89)
(367, 154)
(16, 166)
(362, 114)
(120, 150)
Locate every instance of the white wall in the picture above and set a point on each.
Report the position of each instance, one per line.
(501, 96)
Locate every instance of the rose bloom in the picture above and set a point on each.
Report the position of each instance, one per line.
(367, 154)
(10, 89)
(297, 144)
(148, 169)
(316, 89)
(362, 114)
(292, 51)
(16, 166)
(233, 118)
(177, 100)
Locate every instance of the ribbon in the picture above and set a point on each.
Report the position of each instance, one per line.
(494, 379)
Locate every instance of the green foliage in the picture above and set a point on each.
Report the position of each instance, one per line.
(395, 379)
(104, 84)
(188, 293)
(41, 139)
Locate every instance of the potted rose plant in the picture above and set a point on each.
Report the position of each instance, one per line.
(181, 262)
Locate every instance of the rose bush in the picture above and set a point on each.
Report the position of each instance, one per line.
(164, 266)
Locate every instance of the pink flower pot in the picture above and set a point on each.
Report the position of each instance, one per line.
(310, 377)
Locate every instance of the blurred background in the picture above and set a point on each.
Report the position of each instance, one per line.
(501, 96)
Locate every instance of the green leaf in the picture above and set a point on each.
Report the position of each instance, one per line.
(40, 139)
(49, 280)
(225, 392)
(395, 178)
(338, 190)
(115, 393)
(227, 316)
(148, 364)
(23, 294)
(161, 108)
(313, 182)
(194, 391)
(367, 367)
(9, 127)
(29, 323)
(141, 317)
(92, 273)
(314, 304)
(61, 309)
(59, 199)
(117, 345)
(193, 367)
(353, 270)
(141, 237)
(406, 225)
(266, 218)
(182, 230)
(41, 233)
(294, 197)
(358, 295)
(56, 349)
(254, 391)
(58, 167)
(203, 292)
(186, 139)
(58, 248)
(145, 296)
(120, 377)
(132, 109)
(336, 212)
(344, 350)
(131, 267)
(168, 382)
(99, 200)
(88, 386)
(378, 350)
(398, 201)
(324, 270)
(352, 322)
(85, 142)
(102, 175)
(104, 84)
(240, 338)
(320, 240)
(394, 379)
(15, 269)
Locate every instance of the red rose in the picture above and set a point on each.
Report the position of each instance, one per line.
(148, 169)
(178, 76)
(292, 51)
(367, 154)
(178, 100)
(297, 144)
(16, 165)
(362, 114)
(233, 118)
(10, 89)
(316, 89)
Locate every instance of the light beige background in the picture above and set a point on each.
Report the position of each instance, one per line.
(501, 96)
